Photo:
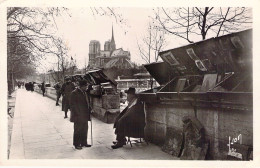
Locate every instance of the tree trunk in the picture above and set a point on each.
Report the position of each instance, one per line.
(58, 75)
(203, 29)
(13, 87)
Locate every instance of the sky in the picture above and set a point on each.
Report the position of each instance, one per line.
(79, 26)
(82, 27)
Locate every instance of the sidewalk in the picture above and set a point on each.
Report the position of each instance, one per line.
(41, 132)
(11, 108)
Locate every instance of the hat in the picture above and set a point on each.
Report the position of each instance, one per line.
(131, 90)
(82, 83)
(67, 78)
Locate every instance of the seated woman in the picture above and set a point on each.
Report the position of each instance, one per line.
(131, 121)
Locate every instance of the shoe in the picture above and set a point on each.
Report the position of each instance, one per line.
(57, 104)
(65, 117)
(78, 147)
(117, 145)
(86, 145)
(115, 142)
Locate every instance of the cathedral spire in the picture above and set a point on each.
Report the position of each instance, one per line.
(112, 39)
(112, 43)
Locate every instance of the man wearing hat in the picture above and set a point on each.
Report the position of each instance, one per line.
(80, 115)
(66, 90)
(131, 120)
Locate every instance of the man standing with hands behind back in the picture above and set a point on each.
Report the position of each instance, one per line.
(80, 115)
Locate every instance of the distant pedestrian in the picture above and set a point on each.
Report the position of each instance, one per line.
(57, 87)
(26, 85)
(31, 86)
(66, 90)
(43, 88)
(80, 115)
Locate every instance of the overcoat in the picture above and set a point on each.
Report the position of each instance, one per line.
(131, 121)
(66, 90)
(57, 87)
(80, 107)
(43, 87)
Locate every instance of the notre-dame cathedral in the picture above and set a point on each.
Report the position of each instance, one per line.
(109, 57)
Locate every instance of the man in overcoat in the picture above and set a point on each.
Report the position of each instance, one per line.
(131, 121)
(57, 87)
(66, 90)
(80, 115)
(43, 88)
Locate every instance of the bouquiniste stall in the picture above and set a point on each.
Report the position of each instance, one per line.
(104, 96)
(203, 108)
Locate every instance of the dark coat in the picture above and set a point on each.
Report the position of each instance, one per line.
(66, 90)
(57, 87)
(43, 87)
(80, 107)
(131, 121)
(31, 86)
(27, 87)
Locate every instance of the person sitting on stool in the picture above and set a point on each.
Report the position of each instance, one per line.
(131, 121)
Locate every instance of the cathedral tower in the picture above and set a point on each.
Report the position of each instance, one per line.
(94, 51)
(110, 45)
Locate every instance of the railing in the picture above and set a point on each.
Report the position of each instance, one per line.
(139, 84)
(49, 92)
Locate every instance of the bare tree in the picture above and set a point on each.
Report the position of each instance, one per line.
(65, 64)
(32, 27)
(151, 44)
(191, 23)
(29, 37)
(111, 12)
(17, 61)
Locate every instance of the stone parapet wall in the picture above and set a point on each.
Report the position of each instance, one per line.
(219, 124)
(106, 107)
(49, 92)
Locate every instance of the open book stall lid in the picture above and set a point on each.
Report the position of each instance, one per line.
(94, 77)
(97, 77)
(220, 55)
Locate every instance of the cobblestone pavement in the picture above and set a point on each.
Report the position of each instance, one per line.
(41, 132)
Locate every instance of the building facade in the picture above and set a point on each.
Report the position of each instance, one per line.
(109, 57)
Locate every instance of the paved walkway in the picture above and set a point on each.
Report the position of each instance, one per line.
(41, 132)
(11, 108)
